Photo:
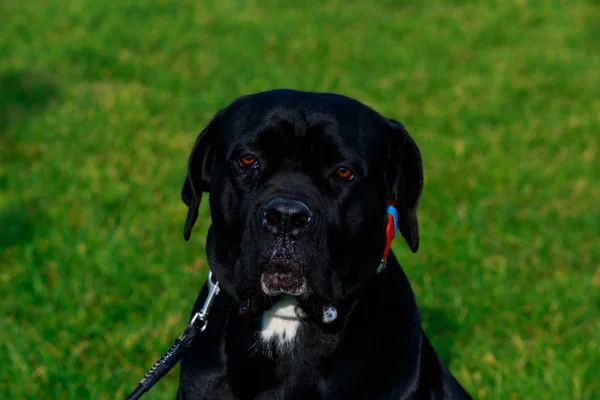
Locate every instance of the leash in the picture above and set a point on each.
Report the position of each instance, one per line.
(198, 324)
(199, 321)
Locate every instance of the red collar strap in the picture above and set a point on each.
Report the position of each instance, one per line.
(390, 232)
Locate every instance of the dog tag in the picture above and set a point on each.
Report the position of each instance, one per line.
(329, 314)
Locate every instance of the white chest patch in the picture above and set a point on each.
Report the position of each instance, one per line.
(281, 321)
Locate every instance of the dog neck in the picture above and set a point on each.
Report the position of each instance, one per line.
(279, 325)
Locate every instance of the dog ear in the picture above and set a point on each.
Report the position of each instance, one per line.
(404, 176)
(200, 165)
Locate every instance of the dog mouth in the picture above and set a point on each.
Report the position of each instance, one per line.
(274, 283)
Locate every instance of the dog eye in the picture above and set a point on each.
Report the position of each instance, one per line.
(344, 174)
(247, 161)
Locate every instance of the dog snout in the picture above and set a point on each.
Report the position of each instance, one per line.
(286, 216)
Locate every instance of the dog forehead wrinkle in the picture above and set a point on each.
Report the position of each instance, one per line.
(300, 124)
(297, 140)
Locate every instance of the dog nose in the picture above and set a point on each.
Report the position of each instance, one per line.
(282, 215)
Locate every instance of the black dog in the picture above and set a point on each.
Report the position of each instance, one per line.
(299, 186)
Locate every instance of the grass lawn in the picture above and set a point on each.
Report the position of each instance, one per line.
(100, 103)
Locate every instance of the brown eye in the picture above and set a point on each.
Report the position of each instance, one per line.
(248, 161)
(344, 174)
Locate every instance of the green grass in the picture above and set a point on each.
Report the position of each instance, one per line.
(100, 103)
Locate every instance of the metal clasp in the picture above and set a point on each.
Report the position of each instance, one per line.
(213, 291)
(201, 317)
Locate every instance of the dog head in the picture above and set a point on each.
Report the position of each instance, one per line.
(298, 185)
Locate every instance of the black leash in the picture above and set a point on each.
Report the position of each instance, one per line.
(175, 353)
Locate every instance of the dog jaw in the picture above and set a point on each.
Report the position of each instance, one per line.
(275, 283)
(281, 322)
